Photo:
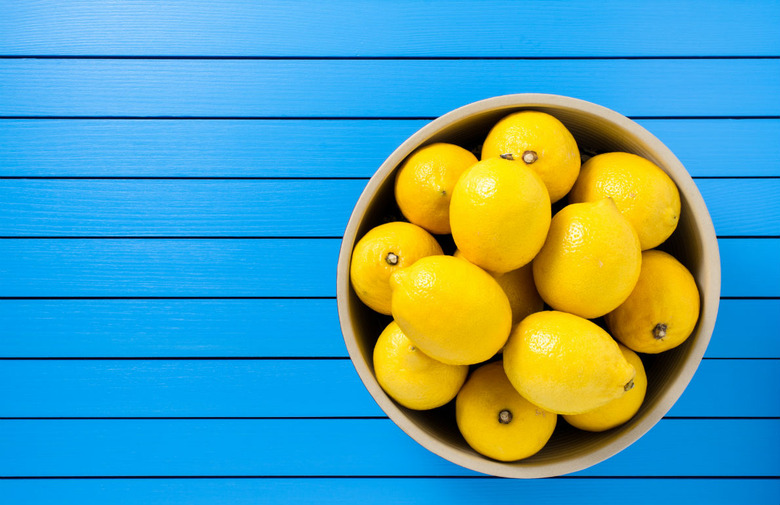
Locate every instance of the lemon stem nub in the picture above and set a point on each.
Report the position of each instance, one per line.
(392, 259)
(504, 417)
(508, 156)
(529, 157)
(659, 331)
(629, 386)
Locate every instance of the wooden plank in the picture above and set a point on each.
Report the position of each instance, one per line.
(293, 388)
(180, 328)
(407, 28)
(383, 491)
(344, 447)
(253, 268)
(251, 328)
(276, 208)
(305, 148)
(378, 88)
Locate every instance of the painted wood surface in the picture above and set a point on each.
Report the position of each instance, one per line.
(404, 28)
(174, 182)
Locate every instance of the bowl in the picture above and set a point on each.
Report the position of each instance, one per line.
(597, 129)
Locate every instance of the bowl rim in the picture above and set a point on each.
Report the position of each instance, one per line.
(666, 399)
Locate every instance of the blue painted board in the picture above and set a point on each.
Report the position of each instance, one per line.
(294, 388)
(386, 491)
(276, 208)
(402, 28)
(319, 148)
(251, 328)
(378, 88)
(345, 447)
(246, 267)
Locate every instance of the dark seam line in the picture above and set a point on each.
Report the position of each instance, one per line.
(457, 477)
(323, 418)
(249, 237)
(378, 58)
(254, 298)
(325, 118)
(754, 358)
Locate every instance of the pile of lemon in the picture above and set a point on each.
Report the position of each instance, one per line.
(473, 326)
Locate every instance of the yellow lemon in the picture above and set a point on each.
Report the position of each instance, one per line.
(519, 288)
(640, 189)
(617, 411)
(499, 213)
(565, 363)
(423, 185)
(663, 309)
(379, 253)
(454, 311)
(412, 378)
(541, 142)
(590, 261)
(496, 421)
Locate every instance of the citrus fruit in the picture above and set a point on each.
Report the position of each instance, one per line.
(454, 311)
(663, 308)
(621, 409)
(379, 253)
(500, 214)
(496, 421)
(519, 288)
(590, 261)
(412, 378)
(640, 189)
(541, 142)
(423, 185)
(565, 363)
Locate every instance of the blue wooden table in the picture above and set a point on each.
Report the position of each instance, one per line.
(175, 178)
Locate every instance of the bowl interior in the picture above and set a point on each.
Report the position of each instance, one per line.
(596, 130)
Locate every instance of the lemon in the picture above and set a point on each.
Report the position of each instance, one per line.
(663, 309)
(640, 189)
(412, 378)
(590, 261)
(541, 142)
(499, 213)
(565, 363)
(423, 185)
(520, 289)
(617, 411)
(454, 311)
(379, 253)
(496, 421)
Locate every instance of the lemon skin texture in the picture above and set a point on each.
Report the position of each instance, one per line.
(643, 193)
(412, 378)
(620, 410)
(496, 421)
(565, 364)
(663, 309)
(380, 252)
(500, 214)
(540, 141)
(424, 183)
(590, 261)
(519, 288)
(454, 311)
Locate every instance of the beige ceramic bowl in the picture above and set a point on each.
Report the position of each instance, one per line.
(597, 129)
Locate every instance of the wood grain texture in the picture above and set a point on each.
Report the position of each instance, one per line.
(275, 208)
(344, 447)
(262, 328)
(386, 491)
(383, 88)
(305, 148)
(252, 268)
(405, 28)
(293, 388)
